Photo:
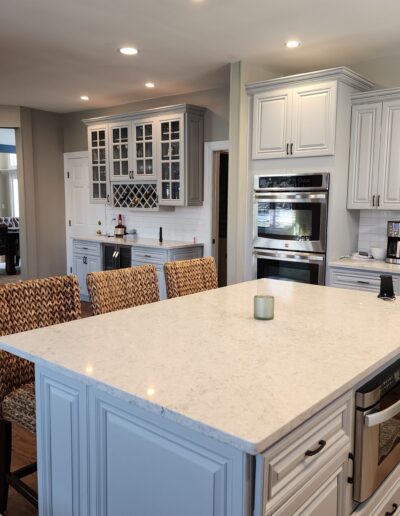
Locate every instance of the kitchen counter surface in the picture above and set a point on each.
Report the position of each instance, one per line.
(371, 265)
(139, 242)
(204, 362)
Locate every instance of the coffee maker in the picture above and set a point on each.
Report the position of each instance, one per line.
(393, 246)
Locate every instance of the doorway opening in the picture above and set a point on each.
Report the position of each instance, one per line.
(220, 213)
(10, 257)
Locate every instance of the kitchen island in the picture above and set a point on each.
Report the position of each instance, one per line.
(190, 407)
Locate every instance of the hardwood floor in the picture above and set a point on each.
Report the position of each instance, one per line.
(24, 452)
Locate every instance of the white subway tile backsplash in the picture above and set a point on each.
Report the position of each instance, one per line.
(373, 228)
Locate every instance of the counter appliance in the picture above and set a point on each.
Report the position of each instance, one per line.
(393, 245)
(377, 431)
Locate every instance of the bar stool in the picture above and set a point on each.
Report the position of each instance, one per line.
(122, 288)
(186, 277)
(24, 306)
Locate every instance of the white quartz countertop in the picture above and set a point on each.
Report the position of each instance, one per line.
(138, 242)
(369, 265)
(204, 361)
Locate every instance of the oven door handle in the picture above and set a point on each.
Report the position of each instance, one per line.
(380, 417)
(292, 257)
(291, 197)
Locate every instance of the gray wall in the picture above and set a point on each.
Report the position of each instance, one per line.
(5, 209)
(47, 144)
(216, 125)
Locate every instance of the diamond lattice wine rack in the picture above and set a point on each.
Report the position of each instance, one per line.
(136, 196)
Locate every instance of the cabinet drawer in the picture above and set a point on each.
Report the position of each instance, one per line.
(149, 255)
(385, 499)
(86, 247)
(368, 281)
(302, 454)
(186, 253)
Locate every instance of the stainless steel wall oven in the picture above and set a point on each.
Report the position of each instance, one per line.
(290, 226)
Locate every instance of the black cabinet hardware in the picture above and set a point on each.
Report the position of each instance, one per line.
(287, 149)
(291, 149)
(311, 453)
(350, 480)
(373, 200)
(394, 507)
(363, 282)
(378, 201)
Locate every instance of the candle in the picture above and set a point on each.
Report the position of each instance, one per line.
(264, 307)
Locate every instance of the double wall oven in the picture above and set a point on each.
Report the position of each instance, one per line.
(290, 226)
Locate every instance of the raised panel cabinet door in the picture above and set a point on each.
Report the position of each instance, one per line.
(314, 119)
(271, 124)
(364, 156)
(389, 163)
(141, 469)
(326, 499)
(61, 445)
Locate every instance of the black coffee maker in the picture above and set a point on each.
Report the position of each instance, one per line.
(393, 247)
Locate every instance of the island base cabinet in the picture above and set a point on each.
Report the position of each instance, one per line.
(62, 445)
(139, 468)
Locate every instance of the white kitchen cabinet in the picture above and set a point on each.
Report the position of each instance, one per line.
(62, 452)
(130, 455)
(361, 279)
(389, 163)
(307, 470)
(86, 258)
(364, 155)
(295, 121)
(271, 124)
(119, 137)
(374, 167)
(314, 119)
(99, 167)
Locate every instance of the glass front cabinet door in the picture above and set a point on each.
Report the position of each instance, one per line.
(171, 144)
(98, 163)
(144, 150)
(119, 138)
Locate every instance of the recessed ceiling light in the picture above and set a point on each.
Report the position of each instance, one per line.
(129, 51)
(149, 84)
(292, 43)
(84, 97)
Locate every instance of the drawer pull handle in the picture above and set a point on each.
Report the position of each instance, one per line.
(147, 255)
(311, 453)
(394, 507)
(363, 282)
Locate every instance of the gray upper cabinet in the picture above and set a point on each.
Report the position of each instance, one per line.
(163, 146)
(374, 167)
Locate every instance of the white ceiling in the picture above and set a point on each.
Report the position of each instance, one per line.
(53, 51)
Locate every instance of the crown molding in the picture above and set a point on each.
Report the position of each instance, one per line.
(146, 113)
(341, 73)
(376, 95)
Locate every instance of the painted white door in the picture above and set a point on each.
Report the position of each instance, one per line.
(313, 120)
(389, 163)
(271, 124)
(81, 217)
(364, 156)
